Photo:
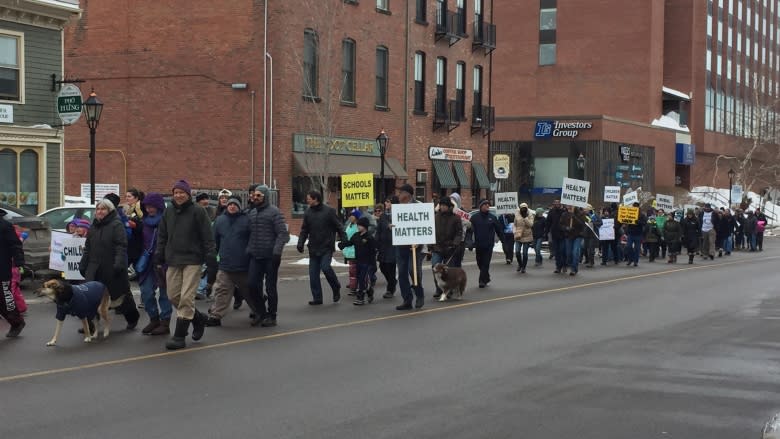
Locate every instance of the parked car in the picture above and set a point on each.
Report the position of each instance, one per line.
(59, 217)
(36, 246)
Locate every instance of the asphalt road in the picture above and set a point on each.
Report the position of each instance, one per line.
(657, 351)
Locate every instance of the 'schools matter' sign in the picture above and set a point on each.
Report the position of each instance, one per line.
(611, 194)
(506, 202)
(413, 223)
(628, 215)
(357, 190)
(665, 202)
(575, 192)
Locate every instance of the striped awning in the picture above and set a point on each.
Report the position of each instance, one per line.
(443, 172)
(460, 172)
(483, 182)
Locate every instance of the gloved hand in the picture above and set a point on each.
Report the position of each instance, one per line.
(299, 247)
(341, 245)
(277, 260)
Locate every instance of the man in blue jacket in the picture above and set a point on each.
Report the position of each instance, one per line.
(485, 226)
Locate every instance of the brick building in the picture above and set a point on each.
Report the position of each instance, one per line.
(239, 92)
(650, 93)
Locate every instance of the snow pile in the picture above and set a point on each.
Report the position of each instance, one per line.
(716, 196)
(670, 120)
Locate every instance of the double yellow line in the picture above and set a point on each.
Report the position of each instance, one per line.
(362, 322)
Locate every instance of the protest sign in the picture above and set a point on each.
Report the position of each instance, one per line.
(630, 198)
(736, 193)
(628, 215)
(506, 202)
(56, 262)
(665, 202)
(607, 229)
(575, 192)
(413, 223)
(611, 194)
(461, 213)
(72, 249)
(357, 190)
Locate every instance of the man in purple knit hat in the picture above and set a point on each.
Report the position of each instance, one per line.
(185, 243)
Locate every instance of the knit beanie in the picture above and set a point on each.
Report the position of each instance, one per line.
(484, 201)
(202, 196)
(155, 200)
(235, 201)
(113, 198)
(356, 213)
(539, 211)
(363, 221)
(183, 185)
(81, 223)
(446, 201)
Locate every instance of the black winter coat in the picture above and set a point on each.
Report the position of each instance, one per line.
(185, 237)
(384, 240)
(539, 227)
(365, 248)
(672, 231)
(11, 252)
(485, 226)
(554, 223)
(105, 255)
(320, 227)
(449, 233)
(691, 231)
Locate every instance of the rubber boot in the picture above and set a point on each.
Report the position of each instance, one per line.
(177, 341)
(198, 325)
(153, 324)
(164, 328)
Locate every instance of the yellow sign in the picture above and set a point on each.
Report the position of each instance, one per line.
(628, 215)
(501, 166)
(357, 190)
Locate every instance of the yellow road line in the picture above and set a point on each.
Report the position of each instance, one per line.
(360, 322)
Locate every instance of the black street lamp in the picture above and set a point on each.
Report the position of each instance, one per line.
(382, 141)
(581, 164)
(731, 185)
(93, 107)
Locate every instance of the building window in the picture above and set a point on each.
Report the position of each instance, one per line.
(422, 11)
(460, 90)
(546, 54)
(310, 48)
(381, 76)
(548, 19)
(478, 86)
(19, 178)
(383, 5)
(461, 16)
(441, 87)
(11, 66)
(348, 71)
(419, 82)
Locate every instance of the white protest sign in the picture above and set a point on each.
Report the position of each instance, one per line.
(413, 223)
(665, 202)
(461, 213)
(56, 259)
(575, 192)
(736, 193)
(72, 249)
(611, 194)
(630, 198)
(607, 229)
(506, 203)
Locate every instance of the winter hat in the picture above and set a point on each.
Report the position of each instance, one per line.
(114, 198)
(235, 201)
(455, 197)
(446, 201)
(522, 205)
(225, 193)
(182, 185)
(408, 189)
(202, 196)
(155, 200)
(363, 221)
(81, 223)
(484, 201)
(356, 213)
(539, 211)
(689, 212)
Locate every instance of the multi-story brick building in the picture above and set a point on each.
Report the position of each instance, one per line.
(650, 93)
(31, 34)
(244, 92)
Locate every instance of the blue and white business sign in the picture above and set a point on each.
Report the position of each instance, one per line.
(553, 128)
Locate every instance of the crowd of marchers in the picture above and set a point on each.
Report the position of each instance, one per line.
(189, 250)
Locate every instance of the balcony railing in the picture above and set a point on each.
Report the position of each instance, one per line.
(483, 118)
(445, 114)
(484, 36)
(449, 25)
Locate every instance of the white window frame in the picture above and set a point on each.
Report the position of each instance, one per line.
(383, 5)
(20, 59)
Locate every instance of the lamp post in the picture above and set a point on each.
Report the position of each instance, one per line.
(581, 164)
(93, 107)
(531, 175)
(382, 141)
(731, 185)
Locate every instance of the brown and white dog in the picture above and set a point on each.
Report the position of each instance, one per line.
(85, 301)
(451, 280)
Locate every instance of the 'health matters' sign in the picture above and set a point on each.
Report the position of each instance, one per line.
(413, 223)
(506, 203)
(575, 192)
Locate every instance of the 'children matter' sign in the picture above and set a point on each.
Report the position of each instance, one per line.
(575, 192)
(611, 194)
(413, 223)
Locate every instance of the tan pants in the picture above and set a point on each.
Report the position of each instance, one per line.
(223, 291)
(708, 244)
(183, 283)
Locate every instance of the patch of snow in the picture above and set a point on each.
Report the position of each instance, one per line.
(305, 261)
(293, 241)
(716, 197)
(667, 121)
(677, 93)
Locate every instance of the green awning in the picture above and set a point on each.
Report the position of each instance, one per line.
(483, 182)
(444, 174)
(460, 172)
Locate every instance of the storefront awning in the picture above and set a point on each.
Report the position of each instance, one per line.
(483, 182)
(339, 164)
(460, 172)
(444, 174)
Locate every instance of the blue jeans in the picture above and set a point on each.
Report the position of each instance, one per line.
(148, 285)
(728, 245)
(521, 253)
(753, 242)
(634, 247)
(403, 258)
(573, 250)
(538, 250)
(317, 264)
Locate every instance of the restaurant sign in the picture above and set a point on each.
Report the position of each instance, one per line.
(460, 155)
(334, 145)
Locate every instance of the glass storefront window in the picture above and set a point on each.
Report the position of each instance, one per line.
(550, 170)
(19, 178)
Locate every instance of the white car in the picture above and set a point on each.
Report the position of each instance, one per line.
(59, 217)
